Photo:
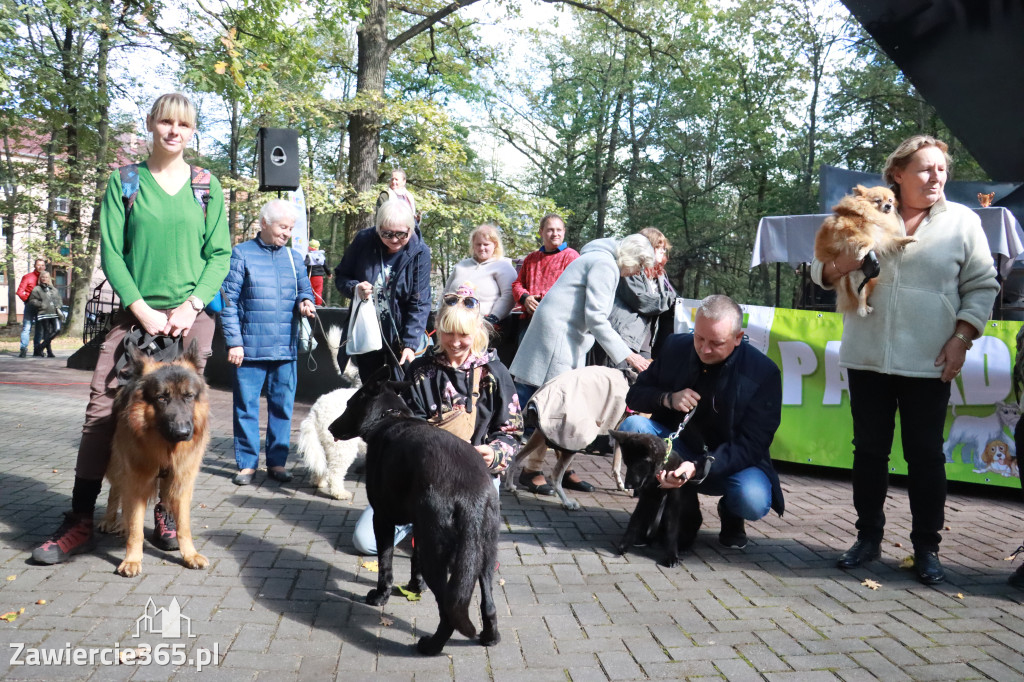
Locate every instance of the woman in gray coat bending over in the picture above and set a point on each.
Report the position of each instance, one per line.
(569, 320)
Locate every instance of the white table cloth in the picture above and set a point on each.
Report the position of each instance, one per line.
(790, 239)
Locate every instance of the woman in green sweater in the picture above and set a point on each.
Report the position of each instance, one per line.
(166, 259)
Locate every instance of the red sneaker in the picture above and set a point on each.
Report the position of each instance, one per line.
(165, 532)
(73, 537)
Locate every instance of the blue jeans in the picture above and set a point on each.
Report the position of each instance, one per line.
(280, 378)
(746, 493)
(366, 542)
(28, 320)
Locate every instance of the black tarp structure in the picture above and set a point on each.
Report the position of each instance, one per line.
(966, 58)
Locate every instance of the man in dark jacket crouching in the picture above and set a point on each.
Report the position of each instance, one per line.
(737, 394)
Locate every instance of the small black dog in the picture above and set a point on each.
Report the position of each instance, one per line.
(417, 473)
(669, 514)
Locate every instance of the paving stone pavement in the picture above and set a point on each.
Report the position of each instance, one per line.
(283, 596)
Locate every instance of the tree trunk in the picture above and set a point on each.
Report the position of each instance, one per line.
(82, 256)
(374, 53)
(607, 177)
(233, 172)
(364, 123)
(86, 265)
(10, 190)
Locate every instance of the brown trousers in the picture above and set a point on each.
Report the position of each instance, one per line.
(98, 430)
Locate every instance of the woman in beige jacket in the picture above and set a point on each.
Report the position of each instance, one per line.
(931, 302)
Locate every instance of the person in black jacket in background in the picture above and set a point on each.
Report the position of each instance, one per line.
(389, 265)
(737, 394)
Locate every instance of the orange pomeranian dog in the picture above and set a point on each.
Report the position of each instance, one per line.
(864, 221)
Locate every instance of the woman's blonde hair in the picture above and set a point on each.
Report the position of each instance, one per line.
(173, 105)
(491, 234)
(899, 159)
(458, 319)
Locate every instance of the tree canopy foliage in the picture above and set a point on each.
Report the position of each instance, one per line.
(692, 116)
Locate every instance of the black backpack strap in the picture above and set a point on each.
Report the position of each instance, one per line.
(201, 187)
(129, 189)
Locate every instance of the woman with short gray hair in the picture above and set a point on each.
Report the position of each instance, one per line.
(570, 319)
(389, 265)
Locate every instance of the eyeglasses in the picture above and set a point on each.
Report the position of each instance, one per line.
(393, 234)
(467, 301)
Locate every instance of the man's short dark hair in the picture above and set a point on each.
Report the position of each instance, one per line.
(548, 217)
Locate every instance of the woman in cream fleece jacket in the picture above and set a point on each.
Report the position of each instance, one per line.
(931, 302)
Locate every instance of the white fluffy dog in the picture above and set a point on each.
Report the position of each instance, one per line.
(328, 459)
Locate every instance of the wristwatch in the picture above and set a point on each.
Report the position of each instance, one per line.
(197, 303)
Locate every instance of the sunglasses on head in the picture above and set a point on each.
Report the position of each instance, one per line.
(467, 301)
(393, 234)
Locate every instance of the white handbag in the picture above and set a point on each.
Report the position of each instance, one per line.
(363, 328)
(307, 344)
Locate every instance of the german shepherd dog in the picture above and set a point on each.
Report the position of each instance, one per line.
(669, 514)
(417, 473)
(161, 434)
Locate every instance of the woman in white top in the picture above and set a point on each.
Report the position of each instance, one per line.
(490, 272)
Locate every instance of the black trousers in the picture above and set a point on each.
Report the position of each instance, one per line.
(922, 404)
(47, 332)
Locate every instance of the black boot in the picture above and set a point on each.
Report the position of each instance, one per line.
(733, 533)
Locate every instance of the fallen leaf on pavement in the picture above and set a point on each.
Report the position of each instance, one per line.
(386, 622)
(371, 566)
(959, 595)
(908, 561)
(10, 616)
(874, 585)
(409, 594)
(41, 602)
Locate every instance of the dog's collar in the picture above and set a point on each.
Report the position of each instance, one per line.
(668, 452)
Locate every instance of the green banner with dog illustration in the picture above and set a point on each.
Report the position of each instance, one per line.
(816, 425)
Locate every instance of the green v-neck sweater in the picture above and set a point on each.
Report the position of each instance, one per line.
(174, 253)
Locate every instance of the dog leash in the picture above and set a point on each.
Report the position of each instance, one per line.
(708, 461)
(311, 363)
(870, 268)
(679, 430)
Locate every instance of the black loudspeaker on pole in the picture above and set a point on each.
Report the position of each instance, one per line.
(279, 159)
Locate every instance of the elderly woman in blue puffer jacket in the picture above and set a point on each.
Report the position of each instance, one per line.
(266, 290)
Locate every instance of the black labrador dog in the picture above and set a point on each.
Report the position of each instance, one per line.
(671, 515)
(417, 473)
